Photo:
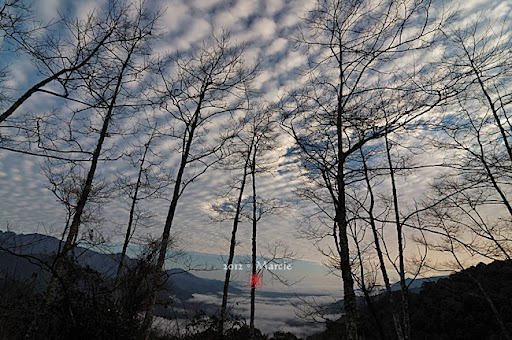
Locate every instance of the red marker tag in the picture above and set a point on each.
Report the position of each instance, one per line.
(255, 280)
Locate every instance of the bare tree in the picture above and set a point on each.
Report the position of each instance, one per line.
(473, 214)
(240, 152)
(65, 181)
(196, 90)
(107, 88)
(354, 48)
(149, 183)
(57, 56)
(404, 330)
(475, 187)
(458, 250)
(113, 73)
(254, 138)
(372, 219)
(16, 22)
(366, 278)
(262, 129)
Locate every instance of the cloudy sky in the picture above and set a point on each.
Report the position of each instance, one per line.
(266, 26)
(27, 205)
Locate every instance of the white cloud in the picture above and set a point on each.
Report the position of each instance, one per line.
(290, 19)
(176, 13)
(197, 31)
(244, 8)
(278, 45)
(205, 6)
(26, 204)
(273, 6)
(48, 10)
(227, 20)
(84, 8)
(264, 27)
(291, 61)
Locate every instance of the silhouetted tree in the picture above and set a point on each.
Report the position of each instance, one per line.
(107, 91)
(194, 91)
(474, 188)
(148, 183)
(354, 92)
(58, 56)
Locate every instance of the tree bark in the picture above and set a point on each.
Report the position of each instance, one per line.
(349, 301)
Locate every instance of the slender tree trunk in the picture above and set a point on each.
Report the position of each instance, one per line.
(350, 302)
(209, 78)
(69, 244)
(403, 285)
(156, 276)
(128, 234)
(376, 239)
(72, 236)
(232, 245)
(254, 225)
(367, 297)
(491, 104)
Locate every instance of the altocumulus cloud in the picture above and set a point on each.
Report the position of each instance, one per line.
(265, 27)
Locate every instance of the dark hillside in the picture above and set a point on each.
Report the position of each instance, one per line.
(456, 307)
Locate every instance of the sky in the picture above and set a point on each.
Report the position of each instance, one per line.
(266, 27)
(263, 25)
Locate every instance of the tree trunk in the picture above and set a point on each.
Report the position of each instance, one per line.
(254, 225)
(376, 239)
(232, 245)
(70, 243)
(367, 297)
(128, 234)
(350, 302)
(155, 279)
(403, 285)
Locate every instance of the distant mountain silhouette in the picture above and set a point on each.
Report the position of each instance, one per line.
(38, 249)
(415, 285)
